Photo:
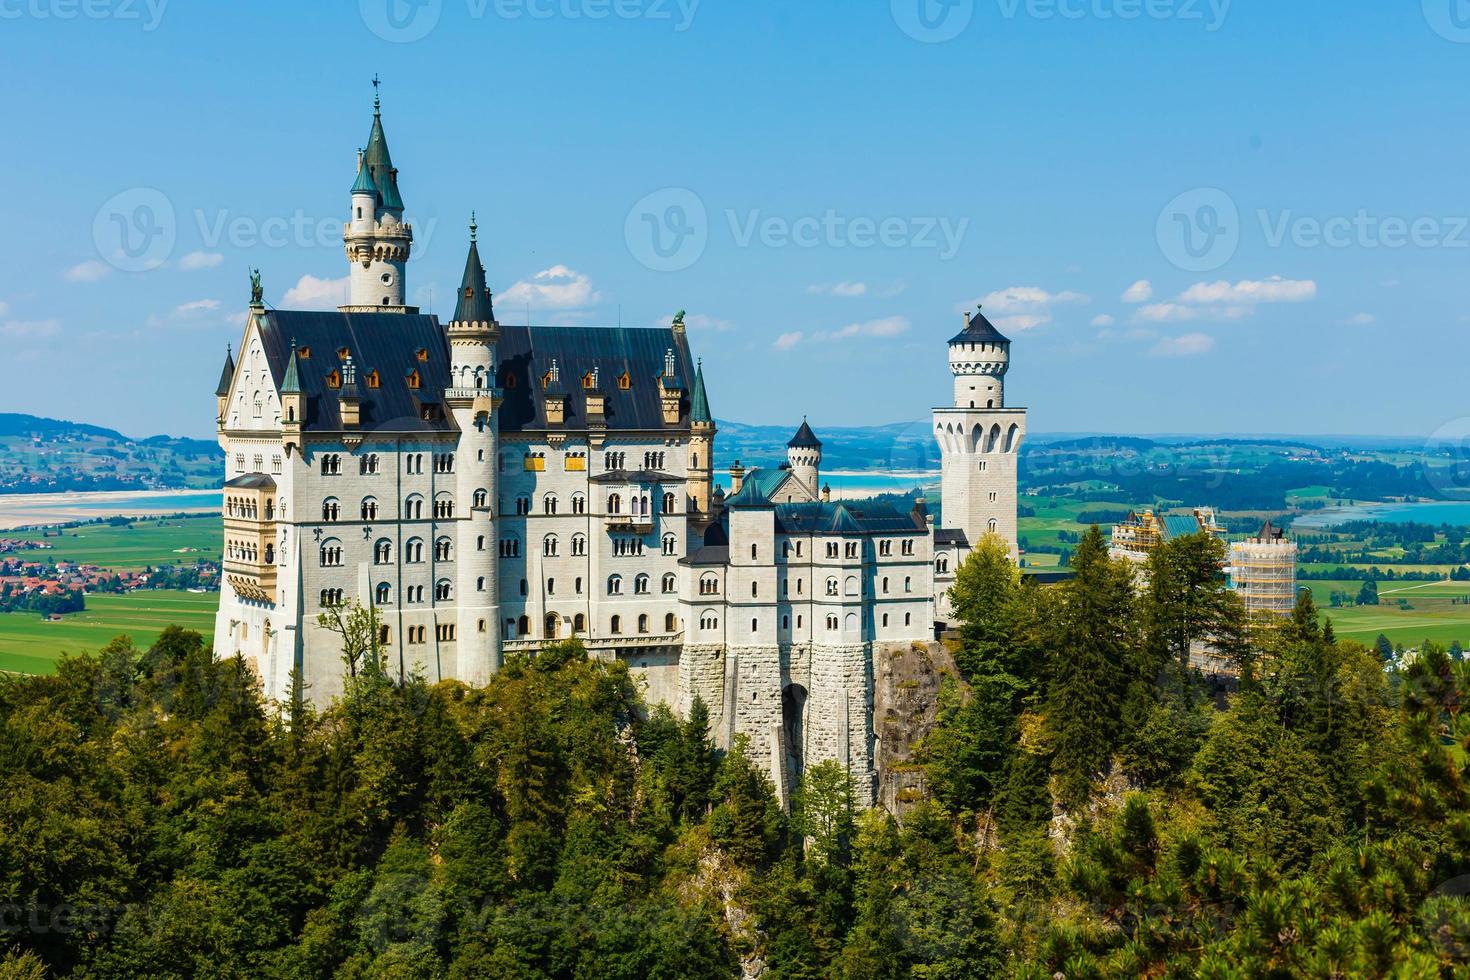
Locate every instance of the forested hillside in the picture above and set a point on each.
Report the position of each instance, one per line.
(1096, 811)
(40, 455)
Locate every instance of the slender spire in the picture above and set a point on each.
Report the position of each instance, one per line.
(291, 383)
(364, 183)
(474, 304)
(227, 376)
(378, 159)
(699, 400)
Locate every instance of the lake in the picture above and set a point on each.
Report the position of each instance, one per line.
(1452, 512)
(31, 509)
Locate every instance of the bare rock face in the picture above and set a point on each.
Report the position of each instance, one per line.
(906, 682)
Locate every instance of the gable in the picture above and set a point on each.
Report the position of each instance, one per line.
(254, 401)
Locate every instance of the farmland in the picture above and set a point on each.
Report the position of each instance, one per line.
(153, 541)
(31, 645)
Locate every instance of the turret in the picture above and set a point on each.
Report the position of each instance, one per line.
(226, 379)
(701, 449)
(804, 456)
(293, 404)
(377, 240)
(979, 358)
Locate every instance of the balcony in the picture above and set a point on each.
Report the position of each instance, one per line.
(251, 579)
(630, 522)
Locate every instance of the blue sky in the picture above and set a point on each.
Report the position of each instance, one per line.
(1190, 216)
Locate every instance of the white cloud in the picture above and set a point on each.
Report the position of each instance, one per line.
(29, 329)
(1360, 320)
(1391, 284)
(1180, 313)
(1189, 345)
(557, 288)
(311, 293)
(1022, 322)
(197, 306)
(888, 327)
(847, 290)
(1021, 308)
(1140, 292)
(1248, 291)
(89, 271)
(200, 260)
(1103, 320)
(787, 340)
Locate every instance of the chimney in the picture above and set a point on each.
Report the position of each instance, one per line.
(967, 319)
(737, 477)
(826, 493)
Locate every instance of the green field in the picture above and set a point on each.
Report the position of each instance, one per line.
(31, 645)
(150, 541)
(1433, 617)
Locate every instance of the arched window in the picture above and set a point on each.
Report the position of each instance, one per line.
(510, 546)
(614, 585)
(614, 503)
(941, 565)
(413, 551)
(382, 593)
(443, 550)
(643, 623)
(709, 620)
(831, 586)
(369, 509)
(553, 626)
(443, 507)
(579, 545)
(482, 500)
(993, 526)
(523, 505)
(331, 510)
(579, 623)
(549, 546)
(413, 508)
(617, 625)
(549, 503)
(670, 503)
(671, 544)
(671, 583)
(640, 585)
(523, 626)
(579, 503)
(383, 552)
(443, 590)
(709, 585)
(331, 553)
(671, 623)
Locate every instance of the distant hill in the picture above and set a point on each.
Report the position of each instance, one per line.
(41, 455)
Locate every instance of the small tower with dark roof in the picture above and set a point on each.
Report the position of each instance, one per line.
(804, 456)
(226, 380)
(702, 432)
(377, 239)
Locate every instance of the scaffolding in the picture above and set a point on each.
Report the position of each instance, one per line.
(1263, 571)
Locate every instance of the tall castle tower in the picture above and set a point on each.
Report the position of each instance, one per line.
(980, 438)
(701, 468)
(473, 400)
(377, 240)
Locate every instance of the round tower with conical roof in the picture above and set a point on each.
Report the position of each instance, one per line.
(377, 239)
(804, 457)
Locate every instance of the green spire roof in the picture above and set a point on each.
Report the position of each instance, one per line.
(377, 159)
(699, 402)
(291, 384)
(227, 376)
(364, 182)
(474, 303)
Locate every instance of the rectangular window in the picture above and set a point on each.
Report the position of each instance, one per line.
(576, 463)
(276, 465)
(535, 463)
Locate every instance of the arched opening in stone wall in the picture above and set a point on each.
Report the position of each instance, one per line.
(793, 723)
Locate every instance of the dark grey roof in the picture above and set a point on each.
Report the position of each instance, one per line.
(384, 342)
(979, 331)
(525, 355)
(699, 406)
(473, 305)
(227, 376)
(635, 476)
(251, 481)
(377, 160)
(844, 518)
(805, 438)
(951, 536)
(708, 555)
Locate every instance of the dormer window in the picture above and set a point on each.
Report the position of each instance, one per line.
(589, 380)
(546, 381)
(304, 353)
(343, 353)
(413, 379)
(422, 354)
(508, 380)
(625, 382)
(373, 380)
(334, 380)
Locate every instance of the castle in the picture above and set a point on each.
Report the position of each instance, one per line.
(489, 488)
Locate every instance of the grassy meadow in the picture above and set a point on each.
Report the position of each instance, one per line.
(148, 541)
(32, 645)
